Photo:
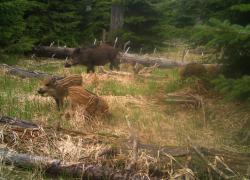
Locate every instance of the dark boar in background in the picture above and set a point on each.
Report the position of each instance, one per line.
(95, 56)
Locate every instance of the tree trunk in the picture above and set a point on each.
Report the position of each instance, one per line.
(117, 17)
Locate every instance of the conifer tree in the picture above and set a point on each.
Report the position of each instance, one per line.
(142, 23)
(12, 26)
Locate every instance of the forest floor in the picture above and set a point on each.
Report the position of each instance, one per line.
(136, 103)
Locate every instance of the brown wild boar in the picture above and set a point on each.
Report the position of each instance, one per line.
(199, 70)
(58, 87)
(192, 69)
(213, 70)
(94, 56)
(92, 103)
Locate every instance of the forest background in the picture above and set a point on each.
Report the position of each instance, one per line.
(220, 25)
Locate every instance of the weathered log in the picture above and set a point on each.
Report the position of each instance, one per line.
(55, 168)
(151, 61)
(239, 162)
(23, 73)
(53, 52)
(62, 53)
(16, 122)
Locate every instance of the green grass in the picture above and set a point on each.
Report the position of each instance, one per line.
(14, 99)
(9, 59)
(154, 122)
(77, 69)
(173, 86)
(48, 68)
(112, 87)
(160, 73)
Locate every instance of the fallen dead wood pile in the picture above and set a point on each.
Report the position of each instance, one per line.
(99, 155)
(23, 73)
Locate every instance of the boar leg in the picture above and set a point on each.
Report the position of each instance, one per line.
(115, 65)
(90, 68)
(59, 103)
(111, 67)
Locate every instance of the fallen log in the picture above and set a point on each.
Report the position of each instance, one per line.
(239, 162)
(55, 168)
(53, 52)
(16, 122)
(23, 73)
(62, 53)
(151, 61)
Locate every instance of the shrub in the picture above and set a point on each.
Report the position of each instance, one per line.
(232, 41)
(234, 89)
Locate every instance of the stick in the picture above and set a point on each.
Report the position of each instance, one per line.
(214, 168)
(125, 45)
(116, 40)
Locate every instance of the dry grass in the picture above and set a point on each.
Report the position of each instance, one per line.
(131, 99)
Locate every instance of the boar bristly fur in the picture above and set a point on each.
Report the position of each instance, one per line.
(97, 56)
(58, 87)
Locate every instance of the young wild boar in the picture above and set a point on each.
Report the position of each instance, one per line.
(58, 87)
(93, 104)
(95, 56)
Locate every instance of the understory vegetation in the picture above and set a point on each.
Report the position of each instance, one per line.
(138, 101)
(160, 108)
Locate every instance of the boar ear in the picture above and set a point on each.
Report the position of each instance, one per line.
(53, 79)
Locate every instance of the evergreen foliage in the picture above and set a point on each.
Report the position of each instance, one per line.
(63, 14)
(12, 26)
(222, 25)
(95, 16)
(142, 23)
(234, 89)
(232, 40)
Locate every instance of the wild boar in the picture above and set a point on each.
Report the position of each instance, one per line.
(58, 87)
(95, 56)
(213, 70)
(199, 70)
(93, 104)
(192, 69)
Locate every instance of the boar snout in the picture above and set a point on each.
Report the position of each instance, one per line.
(67, 65)
(41, 91)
